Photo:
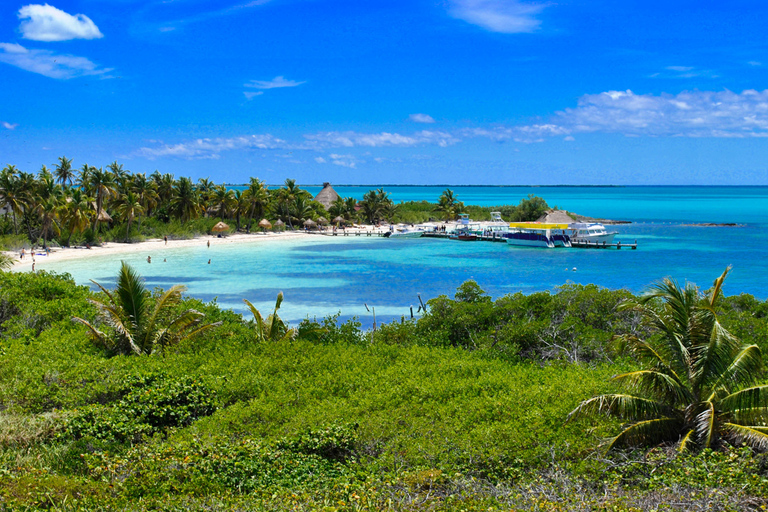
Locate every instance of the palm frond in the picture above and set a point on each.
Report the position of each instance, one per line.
(626, 407)
(663, 387)
(705, 425)
(714, 349)
(687, 442)
(649, 432)
(97, 336)
(754, 436)
(743, 369)
(259, 320)
(131, 293)
(752, 416)
(746, 399)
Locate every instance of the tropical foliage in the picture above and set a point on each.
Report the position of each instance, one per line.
(426, 414)
(273, 328)
(698, 385)
(136, 319)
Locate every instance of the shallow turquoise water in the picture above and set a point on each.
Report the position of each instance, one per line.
(322, 276)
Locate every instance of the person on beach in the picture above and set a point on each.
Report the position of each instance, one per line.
(165, 239)
(22, 253)
(149, 259)
(209, 262)
(209, 244)
(33, 266)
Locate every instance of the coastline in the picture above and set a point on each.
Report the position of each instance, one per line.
(155, 244)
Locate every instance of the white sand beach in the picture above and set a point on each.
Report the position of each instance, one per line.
(153, 245)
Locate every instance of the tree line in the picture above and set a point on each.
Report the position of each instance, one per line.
(92, 203)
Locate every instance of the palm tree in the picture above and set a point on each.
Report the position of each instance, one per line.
(136, 321)
(185, 202)
(13, 193)
(376, 205)
(258, 197)
(101, 184)
(301, 209)
(222, 201)
(6, 261)
(128, 208)
(240, 206)
(448, 205)
(698, 388)
(146, 191)
(77, 212)
(273, 328)
(64, 173)
(49, 210)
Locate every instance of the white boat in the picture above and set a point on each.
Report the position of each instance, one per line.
(405, 233)
(534, 234)
(585, 232)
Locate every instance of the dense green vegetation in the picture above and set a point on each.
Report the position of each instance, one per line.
(93, 205)
(464, 409)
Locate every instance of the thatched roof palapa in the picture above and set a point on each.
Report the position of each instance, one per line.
(309, 223)
(322, 221)
(327, 196)
(264, 223)
(339, 219)
(219, 227)
(556, 217)
(279, 223)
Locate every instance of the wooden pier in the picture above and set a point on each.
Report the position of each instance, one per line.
(482, 238)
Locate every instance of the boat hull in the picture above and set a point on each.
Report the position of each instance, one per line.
(529, 241)
(405, 234)
(607, 238)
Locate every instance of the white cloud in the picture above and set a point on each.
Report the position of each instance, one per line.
(9, 126)
(252, 94)
(275, 83)
(48, 63)
(684, 72)
(421, 118)
(344, 160)
(506, 16)
(688, 114)
(755, 63)
(212, 148)
(351, 139)
(47, 23)
(320, 160)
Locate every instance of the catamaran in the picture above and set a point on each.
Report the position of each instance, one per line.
(537, 234)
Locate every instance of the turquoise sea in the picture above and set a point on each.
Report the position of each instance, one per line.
(323, 276)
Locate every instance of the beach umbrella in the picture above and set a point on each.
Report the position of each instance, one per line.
(265, 224)
(322, 221)
(279, 225)
(219, 227)
(338, 220)
(309, 223)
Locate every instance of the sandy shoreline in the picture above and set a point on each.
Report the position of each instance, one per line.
(153, 245)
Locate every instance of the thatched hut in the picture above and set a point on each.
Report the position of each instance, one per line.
(264, 224)
(220, 228)
(556, 217)
(327, 196)
(310, 224)
(279, 225)
(339, 220)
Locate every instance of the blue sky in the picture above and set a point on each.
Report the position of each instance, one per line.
(416, 92)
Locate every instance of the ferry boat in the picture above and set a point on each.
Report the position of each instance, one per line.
(582, 232)
(535, 234)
